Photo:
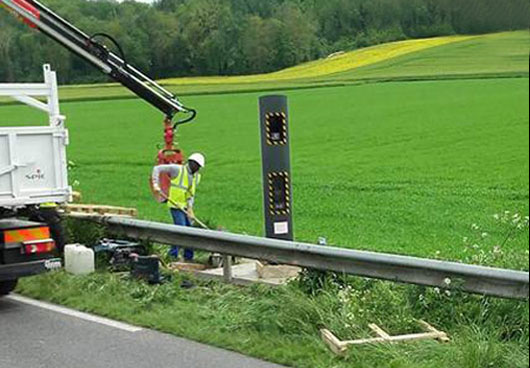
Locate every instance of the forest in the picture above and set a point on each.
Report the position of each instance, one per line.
(172, 38)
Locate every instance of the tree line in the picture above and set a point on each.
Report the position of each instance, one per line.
(174, 38)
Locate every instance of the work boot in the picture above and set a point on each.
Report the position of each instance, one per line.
(174, 253)
(189, 254)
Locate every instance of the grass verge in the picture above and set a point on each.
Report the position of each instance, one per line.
(282, 324)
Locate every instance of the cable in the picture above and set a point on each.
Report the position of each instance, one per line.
(105, 51)
(187, 120)
(103, 48)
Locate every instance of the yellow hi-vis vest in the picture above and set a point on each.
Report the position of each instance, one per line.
(183, 188)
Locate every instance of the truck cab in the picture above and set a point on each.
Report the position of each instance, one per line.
(33, 180)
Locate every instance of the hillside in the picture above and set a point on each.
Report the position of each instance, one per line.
(333, 64)
(501, 54)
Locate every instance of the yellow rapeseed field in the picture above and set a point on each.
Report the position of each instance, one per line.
(331, 65)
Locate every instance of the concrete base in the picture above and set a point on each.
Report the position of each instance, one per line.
(277, 272)
(249, 273)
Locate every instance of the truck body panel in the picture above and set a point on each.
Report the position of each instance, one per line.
(33, 166)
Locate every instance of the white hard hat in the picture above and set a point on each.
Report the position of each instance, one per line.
(198, 158)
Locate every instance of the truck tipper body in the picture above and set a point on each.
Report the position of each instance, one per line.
(33, 174)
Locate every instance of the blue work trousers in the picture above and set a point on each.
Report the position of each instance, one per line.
(181, 218)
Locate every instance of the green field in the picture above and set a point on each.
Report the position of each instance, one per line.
(501, 54)
(418, 165)
(396, 167)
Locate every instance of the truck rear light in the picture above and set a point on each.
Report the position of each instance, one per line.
(37, 247)
(27, 236)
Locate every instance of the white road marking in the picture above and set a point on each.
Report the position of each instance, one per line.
(74, 313)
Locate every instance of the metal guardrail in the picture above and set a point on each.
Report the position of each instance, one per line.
(470, 278)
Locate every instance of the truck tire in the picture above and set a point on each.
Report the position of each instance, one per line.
(7, 286)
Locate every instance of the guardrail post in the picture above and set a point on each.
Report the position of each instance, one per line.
(276, 162)
(227, 268)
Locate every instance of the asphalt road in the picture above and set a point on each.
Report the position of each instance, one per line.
(45, 336)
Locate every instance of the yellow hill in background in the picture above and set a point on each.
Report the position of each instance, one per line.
(341, 63)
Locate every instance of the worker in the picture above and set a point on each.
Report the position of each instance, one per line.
(48, 214)
(184, 182)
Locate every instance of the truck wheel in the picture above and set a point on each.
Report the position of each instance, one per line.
(7, 286)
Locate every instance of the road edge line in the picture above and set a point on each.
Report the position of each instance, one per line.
(74, 313)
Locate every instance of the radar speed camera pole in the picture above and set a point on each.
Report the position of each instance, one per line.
(276, 162)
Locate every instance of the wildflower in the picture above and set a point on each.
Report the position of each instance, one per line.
(497, 216)
(485, 235)
(447, 293)
(476, 246)
(475, 227)
(497, 249)
(437, 290)
(448, 281)
(466, 239)
(76, 183)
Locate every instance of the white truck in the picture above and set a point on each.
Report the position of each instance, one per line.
(33, 174)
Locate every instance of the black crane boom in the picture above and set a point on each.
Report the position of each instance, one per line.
(39, 17)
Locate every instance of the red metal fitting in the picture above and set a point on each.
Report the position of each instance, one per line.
(167, 156)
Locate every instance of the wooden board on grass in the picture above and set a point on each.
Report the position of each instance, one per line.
(89, 209)
(341, 347)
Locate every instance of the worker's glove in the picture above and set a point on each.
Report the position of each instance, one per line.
(191, 213)
(157, 189)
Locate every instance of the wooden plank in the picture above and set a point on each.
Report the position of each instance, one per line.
(402, 338)
(77, 196)
(84, 215)
(333, 342)
(427, 327)
(100, 210)
(340, 347)
(379, 331)
(186, 267)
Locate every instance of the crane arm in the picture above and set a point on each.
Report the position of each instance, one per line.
(39, 17)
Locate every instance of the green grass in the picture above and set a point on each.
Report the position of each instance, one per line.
(395, 167)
